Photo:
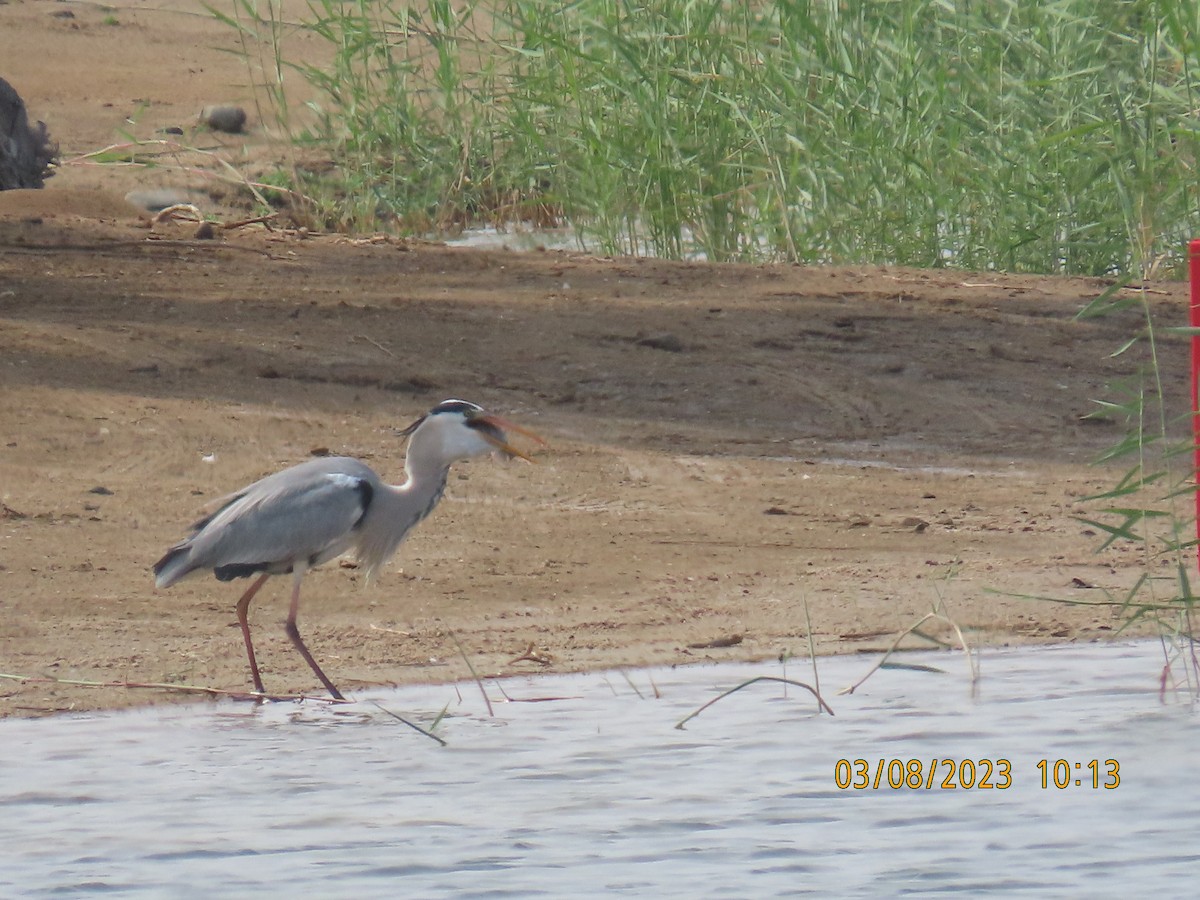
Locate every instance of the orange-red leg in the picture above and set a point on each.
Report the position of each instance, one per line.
(293, 632)
(243, 609)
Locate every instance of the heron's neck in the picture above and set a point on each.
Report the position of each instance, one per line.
(423, 488)
(395, 511)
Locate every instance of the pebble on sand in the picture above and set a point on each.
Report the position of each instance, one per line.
(230, 119)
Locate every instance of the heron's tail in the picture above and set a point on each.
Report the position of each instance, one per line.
(175, 564)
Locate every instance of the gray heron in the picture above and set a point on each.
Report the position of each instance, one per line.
(303, 516)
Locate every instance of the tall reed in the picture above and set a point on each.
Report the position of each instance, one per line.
(1150, 509)
(1024, 135)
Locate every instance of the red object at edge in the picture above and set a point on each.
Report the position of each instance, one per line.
(1194, 275)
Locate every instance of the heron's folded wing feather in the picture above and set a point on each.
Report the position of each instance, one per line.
(296, 514)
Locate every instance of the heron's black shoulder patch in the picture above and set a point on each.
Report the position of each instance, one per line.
(366, 493)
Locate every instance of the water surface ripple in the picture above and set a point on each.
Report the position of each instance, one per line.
(596, 793)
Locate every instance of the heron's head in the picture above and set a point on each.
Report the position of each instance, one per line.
(456, 429)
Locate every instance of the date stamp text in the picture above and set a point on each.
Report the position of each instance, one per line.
(971, 774)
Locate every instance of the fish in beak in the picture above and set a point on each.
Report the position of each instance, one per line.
(494, 430)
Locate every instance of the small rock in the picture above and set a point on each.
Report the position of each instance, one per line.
(668, 342)
(230, 119)
(732, 641)
(101, 490)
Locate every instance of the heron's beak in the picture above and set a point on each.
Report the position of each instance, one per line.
(495, 432)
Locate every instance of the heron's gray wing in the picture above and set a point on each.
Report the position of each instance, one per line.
(308, 512)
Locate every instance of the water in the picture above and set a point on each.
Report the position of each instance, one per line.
(592, 791)
(516, 237)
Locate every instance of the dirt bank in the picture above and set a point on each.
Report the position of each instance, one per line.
(736, 450)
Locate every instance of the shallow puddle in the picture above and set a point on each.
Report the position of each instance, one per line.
(582, 786)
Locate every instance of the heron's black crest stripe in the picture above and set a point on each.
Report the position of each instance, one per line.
(455, 406)
(446, 406)
(239, 570)
(366, 494)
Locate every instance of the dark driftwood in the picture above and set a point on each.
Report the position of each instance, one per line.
(26, 152)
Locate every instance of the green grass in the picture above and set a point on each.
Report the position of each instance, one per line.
(1010, 134)
(1148, 514)
(1151, 508)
